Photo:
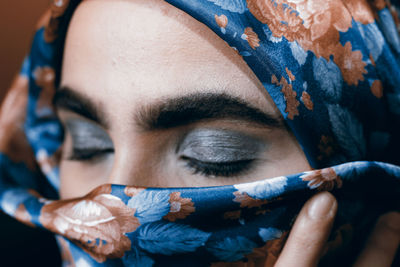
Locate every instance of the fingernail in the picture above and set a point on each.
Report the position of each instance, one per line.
(322, 206)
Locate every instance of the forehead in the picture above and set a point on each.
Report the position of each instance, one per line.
(145, 50)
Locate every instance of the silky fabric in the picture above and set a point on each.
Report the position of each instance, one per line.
(331, 67)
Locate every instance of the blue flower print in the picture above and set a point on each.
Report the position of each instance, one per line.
(265, 189)
(170, 238)
(236, 6)
(231, 248)
(269, 233)
(150, 206)
(327, 73)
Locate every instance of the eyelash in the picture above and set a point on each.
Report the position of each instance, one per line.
(88, 154)
(209, 169)
(225, 169)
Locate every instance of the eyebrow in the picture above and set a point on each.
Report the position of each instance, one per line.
(178, 111)
(69, 99)
(173, 112)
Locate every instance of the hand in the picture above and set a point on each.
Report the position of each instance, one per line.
(306, 242)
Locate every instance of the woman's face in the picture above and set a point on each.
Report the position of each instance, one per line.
(151, 97)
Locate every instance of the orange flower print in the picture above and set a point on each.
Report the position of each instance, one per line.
(13, 142)
(132, 191)
(377, 89)
(372, 60)
(360, 10)
(251, 37)
(273, 13)
(314, 24)
(290, 96)
(306, 99)
(350, 63)
(324, 179)
(290, 74)
(44, 78)
(180, 207)
(97, 222)
(221, 21)
(323, 18)
(247, 201)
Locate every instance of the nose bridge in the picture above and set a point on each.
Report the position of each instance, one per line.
(129, 167)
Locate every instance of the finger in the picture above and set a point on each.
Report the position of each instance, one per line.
(383, 242)
(310, 232)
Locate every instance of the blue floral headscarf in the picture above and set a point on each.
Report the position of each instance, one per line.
(333, 70)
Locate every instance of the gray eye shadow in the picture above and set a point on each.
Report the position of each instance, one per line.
(209, 145)
(88, 135)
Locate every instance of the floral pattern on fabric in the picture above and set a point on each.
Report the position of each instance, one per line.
(323, 180)
(98, 222)
(251, 37)
(331, 67)
(314, 24)
(246, 201)
(180, 207)
(289, 94)
(222, 22)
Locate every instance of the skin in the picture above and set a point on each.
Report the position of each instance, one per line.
(160, 53)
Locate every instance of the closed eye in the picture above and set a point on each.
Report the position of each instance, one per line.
(89, 141)
(225, 169)
(88, 154)
(216, 152)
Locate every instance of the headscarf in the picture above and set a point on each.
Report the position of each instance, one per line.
(331, 67)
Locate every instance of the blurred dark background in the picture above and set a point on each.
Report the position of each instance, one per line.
(17, 25)
(20, 245)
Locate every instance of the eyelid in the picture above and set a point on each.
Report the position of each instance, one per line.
(80, 128)
(89, 141)
(220, 153)
(211, 145)
(88, 155)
